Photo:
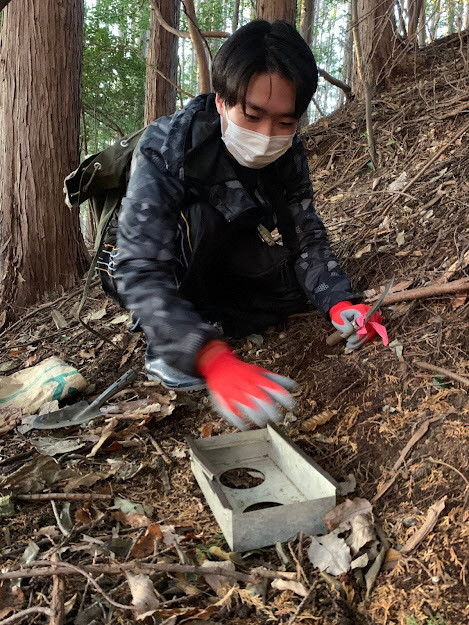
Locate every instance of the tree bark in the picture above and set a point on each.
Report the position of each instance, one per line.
(376, 32)
(41, 246)
(160, 94)
(3, 4)
(415, 11)
(272, 10)
(203, 70)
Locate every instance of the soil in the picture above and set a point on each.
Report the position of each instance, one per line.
(369, 404)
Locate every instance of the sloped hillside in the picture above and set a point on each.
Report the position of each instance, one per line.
(381, 420)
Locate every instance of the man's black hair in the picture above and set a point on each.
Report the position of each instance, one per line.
(264, 47)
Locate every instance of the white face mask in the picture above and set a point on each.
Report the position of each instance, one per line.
(253, 149)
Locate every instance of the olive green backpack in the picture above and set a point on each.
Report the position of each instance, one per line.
(102, 180)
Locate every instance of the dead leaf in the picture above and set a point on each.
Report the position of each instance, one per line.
(346, 511)
(29, 362)
(145, 546)
(11, 598)
(120, 319)
(96, 315)
(330, 553)
(347, 486)
(178, 452)
(132, 520)
(217, 581)
(458, 301)
(284, 584)
(144, 597)
(130, 349)
(323, 417)
(58, 319)
(364, 250)
(206, 430)
(7, 365)
(9, 418)
(33, 476)
(362, 532)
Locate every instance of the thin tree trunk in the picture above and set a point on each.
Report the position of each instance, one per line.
(415, 11)
(41, 246)
(306, 30)
(235, 20)
(205, 79)
(162, 59)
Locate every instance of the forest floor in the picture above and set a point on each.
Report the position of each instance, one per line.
(399, 429)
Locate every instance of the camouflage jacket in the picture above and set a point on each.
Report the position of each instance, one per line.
(180, 160)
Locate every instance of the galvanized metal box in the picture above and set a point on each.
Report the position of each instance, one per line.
(294, 496)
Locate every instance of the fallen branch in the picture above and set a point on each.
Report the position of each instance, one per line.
(44, 568)
(57, 601)
(423, 292)
(442, 371)
(62, 496)
(432, 517)
(457, 286)
(27, 612)
(415, 438)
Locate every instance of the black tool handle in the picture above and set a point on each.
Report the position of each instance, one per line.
(115, 387)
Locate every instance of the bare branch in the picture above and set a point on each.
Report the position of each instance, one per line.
(336, 82)
(215, 34)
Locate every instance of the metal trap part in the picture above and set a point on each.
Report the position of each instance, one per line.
(293, 496)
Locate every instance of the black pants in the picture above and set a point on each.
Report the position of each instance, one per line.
(233, 276)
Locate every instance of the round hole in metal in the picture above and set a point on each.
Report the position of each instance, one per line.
(242, 477)
(261, 505)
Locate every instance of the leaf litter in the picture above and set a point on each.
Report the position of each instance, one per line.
(376, 233)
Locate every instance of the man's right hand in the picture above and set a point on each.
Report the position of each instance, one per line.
(243, 394)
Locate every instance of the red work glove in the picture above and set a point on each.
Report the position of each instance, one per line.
(242, 393)
(345, 314)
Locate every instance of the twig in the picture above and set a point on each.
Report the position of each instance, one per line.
(432, 517)
(303, 603)
(372, 574)
(334, 583)
(42, 307)
(437, 155)
(63, 496)
(415, 438)
(156, 445)
(57, 598)
(445, 464)
(43, 568)
(24, 456)
(27, 612)
(442, 371)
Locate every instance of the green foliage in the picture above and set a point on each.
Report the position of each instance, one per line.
(115, 42)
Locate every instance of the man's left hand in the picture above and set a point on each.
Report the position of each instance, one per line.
(347, 317)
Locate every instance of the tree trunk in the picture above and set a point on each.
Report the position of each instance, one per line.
(235, 19)
(307, 20)
(415, 11)
(162, 61)
(203, 70)
(272, 10)
(41, 246)
(376, 31)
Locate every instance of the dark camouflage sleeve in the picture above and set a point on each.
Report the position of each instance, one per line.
(147, 256)
(317, 269)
